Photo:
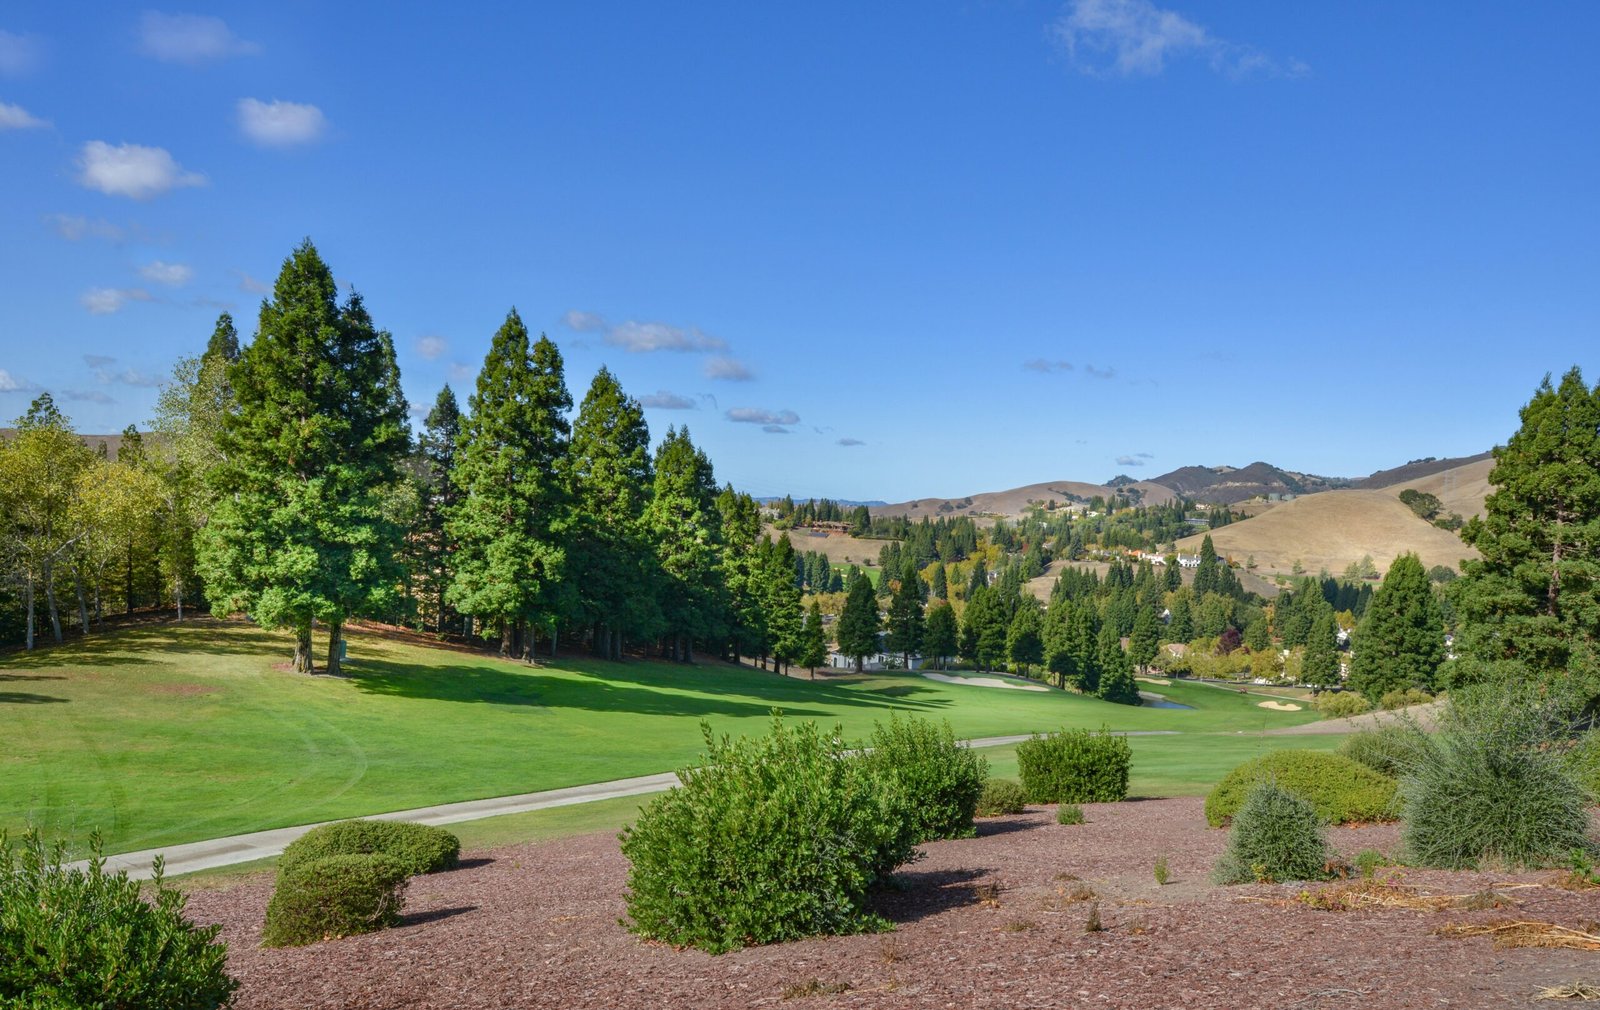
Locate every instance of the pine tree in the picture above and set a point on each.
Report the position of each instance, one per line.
(745, 556)
(905, 623)
(611, 484)
(1145, 639)
(941, 584)
(1025, 637)
(683, 520)
(813, 641)
(1181, 627)
(1116, 683)
(1529, 607)
(299, 531)
(782, 597)
(1256, 638)
(858, 623)
(511, 523)
(436, 450)
(1205, 576)
(1400, 642)
(1319, 668)
(941, 637)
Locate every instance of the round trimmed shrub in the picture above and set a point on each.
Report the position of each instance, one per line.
(1074, 766)
(1403, 698)
(1000, 797)
(1276, 836)
(1339, 789)
(416, 847)
(1342, 704)
(334, 896)
(1388, 750)
(87, 938)
(768, 839)
(941, 779)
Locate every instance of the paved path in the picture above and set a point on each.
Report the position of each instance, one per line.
(215, 852)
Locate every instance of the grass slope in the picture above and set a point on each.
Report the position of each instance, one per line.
(166, 733)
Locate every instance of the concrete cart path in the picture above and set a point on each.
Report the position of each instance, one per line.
(193, 856)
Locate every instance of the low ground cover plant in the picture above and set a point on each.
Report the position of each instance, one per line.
(1388, 750)
(418, 848)
(334, 896)
(768, 838)
(88, 938)
(1499, 786)
(1583, 761)
(1069, 813)
(1001, 797)
(1075, 766)
(1342, 704)
(942, 779)
(1276, 836)
(1340, 790)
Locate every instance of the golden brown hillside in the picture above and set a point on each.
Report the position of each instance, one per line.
(1461, 489)
(1016, 501)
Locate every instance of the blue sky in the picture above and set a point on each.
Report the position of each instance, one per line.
(864, 250)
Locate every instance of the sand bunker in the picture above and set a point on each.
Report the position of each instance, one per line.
(1015, 685)
(1279, 706)
(1154, 680)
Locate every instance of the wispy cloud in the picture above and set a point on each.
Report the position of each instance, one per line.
(1128, 38)
(189, 38)
(173, 275)
(14, 384)
(15, 117)
(728, 369)
(459, 372)
(774, 429)
(250, 284)
(132, 170)
(280, 124)
(432, 346)
(98, 360)
(583, 322)
(1046, 367)
(20, 55)
(105, 371)
(1099, 373)
(75, 229)
(847, 442)
(1135, 459)
(663, 399)
(87, 395)
(105, 301)
(768, 419)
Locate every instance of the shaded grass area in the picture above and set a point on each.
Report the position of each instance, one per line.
(170, 733)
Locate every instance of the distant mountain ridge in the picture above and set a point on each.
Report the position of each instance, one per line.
(1227, 485)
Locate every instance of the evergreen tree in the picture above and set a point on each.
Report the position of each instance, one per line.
(224, 343)
(1530, 605)
(1172, 574)
(1319, 669)
(436, 449)
(299, 531)
(858, 623)
(1400, 643)
(1181, 627)
(1256, 638)
(1025, 637)
(611, 484)
(511, 523)
(941, 585)
(1145, 638)
(783, 614)
(813, 641)
(746, 554)
(979, 578)
(905, 614)
(1116, 683)
(683, 520)
(941, 637)
(1205, 576)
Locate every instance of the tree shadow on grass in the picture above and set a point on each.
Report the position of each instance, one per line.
(24, 698)
(721, 680)
(7, 677)
(150, 645)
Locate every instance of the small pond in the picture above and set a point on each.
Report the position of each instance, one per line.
(1150, 699)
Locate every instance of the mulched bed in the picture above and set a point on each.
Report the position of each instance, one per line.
(994, 921)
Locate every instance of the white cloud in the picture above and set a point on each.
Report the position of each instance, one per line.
(757, 415)
(104, 301)
(851, 442)
(460, 372)
(728, 369)
(132, 170)
(280, 124)
(189, 38)
(661, 399)
(431, 346)
(87, 395)
(76, 229)
(250, 284)
(173, 275)
(1136, 459)
(639, 338)
(19, 54)
(583, 322)
(1127, 38)
(1046, 367)
(15, 117)
(12, 384)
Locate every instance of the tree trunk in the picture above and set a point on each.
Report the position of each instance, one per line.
(555, 635)
(858, 664)
(302, 650)
(335, 645)
(813, 673)
(505, 638)
(50, 599)
(177, 595)
(688, 649)
(83, 600)
(525, 643)
(127, 582)
(30, 611)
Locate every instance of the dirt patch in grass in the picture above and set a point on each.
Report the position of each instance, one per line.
(981, 922)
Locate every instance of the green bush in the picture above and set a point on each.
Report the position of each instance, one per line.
(1583, 761)
(87, 938)
(1342, 704)
(416, 847)
(1403, 698)
(1388, 750)
(1499, 786)
(1001, 796)
(1069, 813)
(334, 896)
(768, 838)
(1369, 861)
(1276, 836)
(941, 779)
(1074, 766)
(1339, 789)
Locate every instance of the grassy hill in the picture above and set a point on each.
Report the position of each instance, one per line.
(166, 733)
(1018, 500)
(1460, 489)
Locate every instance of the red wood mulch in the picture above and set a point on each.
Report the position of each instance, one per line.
(984, 922)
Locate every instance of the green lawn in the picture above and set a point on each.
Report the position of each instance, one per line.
(165, 734)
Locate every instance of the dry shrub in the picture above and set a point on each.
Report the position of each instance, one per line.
(1569, 990)
(1364, 894)
(1519, 933)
